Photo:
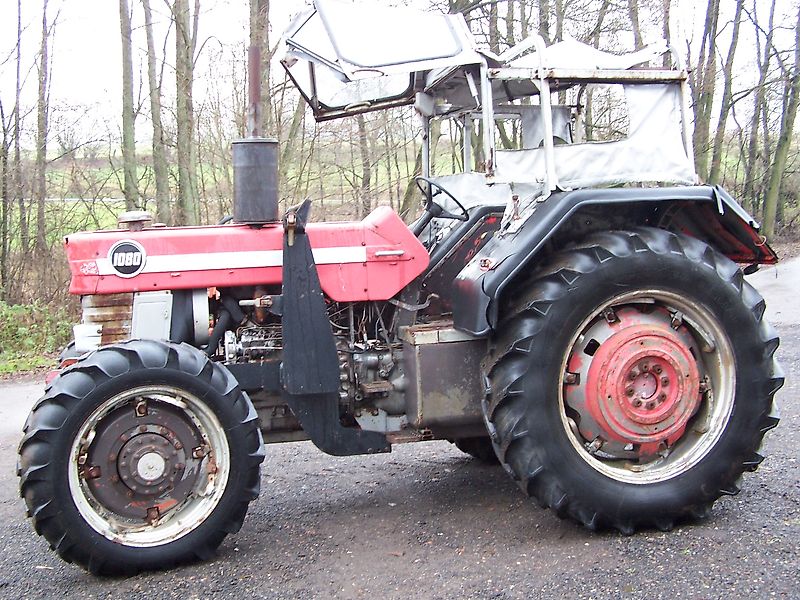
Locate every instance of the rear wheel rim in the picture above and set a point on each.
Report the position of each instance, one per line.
(149, 466)
(629, 422)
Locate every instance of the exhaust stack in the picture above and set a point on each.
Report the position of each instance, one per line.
(255, 159)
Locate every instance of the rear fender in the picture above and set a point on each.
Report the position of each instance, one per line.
(705, 212)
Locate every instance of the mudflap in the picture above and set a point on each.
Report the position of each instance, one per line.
(310, 367)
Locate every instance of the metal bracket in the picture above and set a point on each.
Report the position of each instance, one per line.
(273, 303)
(310, 365)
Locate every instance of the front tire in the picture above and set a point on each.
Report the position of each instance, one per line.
(632, 381)
(141, 456)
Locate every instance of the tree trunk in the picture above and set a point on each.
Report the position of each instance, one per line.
(494, 30)
(366, 168)
(666, 32)
(24, 231)
(187, 212)
(544, 21)
(727, 92)
(6, 203)
(594, 40)
(792, 87)
(160, 168)
(703, 82)
(560, 15)
(259, 37)
(40, 186)
(633, 14)
(410, 202)
(752, 147)
(128, 116)
(290, 141)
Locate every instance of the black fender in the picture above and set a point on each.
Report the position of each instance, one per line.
(708, 213)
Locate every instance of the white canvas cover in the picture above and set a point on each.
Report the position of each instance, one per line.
(572, 54)
(344, 55)
(653, 151)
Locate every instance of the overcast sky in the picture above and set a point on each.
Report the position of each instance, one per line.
(86, 52)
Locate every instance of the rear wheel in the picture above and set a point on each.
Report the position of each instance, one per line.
(140, 456)
(477, 447)
(632, 381)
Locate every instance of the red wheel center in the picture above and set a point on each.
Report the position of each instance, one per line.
(642, 385)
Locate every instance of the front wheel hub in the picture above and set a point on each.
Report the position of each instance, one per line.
(639, 386)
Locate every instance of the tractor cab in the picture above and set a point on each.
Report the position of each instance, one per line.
(526, 123)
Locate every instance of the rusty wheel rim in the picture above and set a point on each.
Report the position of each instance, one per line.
(647, 386)
(148, 466)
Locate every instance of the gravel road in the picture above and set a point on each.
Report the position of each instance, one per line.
(426, 521)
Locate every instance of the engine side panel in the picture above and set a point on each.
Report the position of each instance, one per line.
(368, 260)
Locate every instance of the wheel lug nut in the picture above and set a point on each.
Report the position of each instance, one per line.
(637, 403)
(178, 445)
(657, 369)
(629, 391)
(651, 405)
(92, 472)
(662, 397)
(632, 375)
(645, 367)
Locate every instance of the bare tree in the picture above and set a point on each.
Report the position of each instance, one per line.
(160, 169)
(40, 187)
(792, 100)
(703, 83)
(128, 115)
(185, 42)
(366, 167)
(259, 38)
(758, 103)
(727, 94)
(24, 241)
(5, 195)
(633, 13)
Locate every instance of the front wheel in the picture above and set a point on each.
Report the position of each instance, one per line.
(632, 381)
(141, 456)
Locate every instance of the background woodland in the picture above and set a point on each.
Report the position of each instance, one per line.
(169, 149)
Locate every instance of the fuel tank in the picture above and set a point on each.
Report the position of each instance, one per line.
(371, 259)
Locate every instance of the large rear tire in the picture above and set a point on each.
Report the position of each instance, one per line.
(632, 380)
(141, 456)
(479, 448)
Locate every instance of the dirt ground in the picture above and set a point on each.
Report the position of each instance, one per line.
(426, 521)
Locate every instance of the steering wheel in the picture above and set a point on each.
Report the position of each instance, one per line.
(436, 210)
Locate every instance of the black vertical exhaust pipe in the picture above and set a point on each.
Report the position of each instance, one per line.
(255, 160)
(255, 180)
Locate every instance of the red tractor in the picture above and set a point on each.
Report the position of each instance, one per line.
(547, 310)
